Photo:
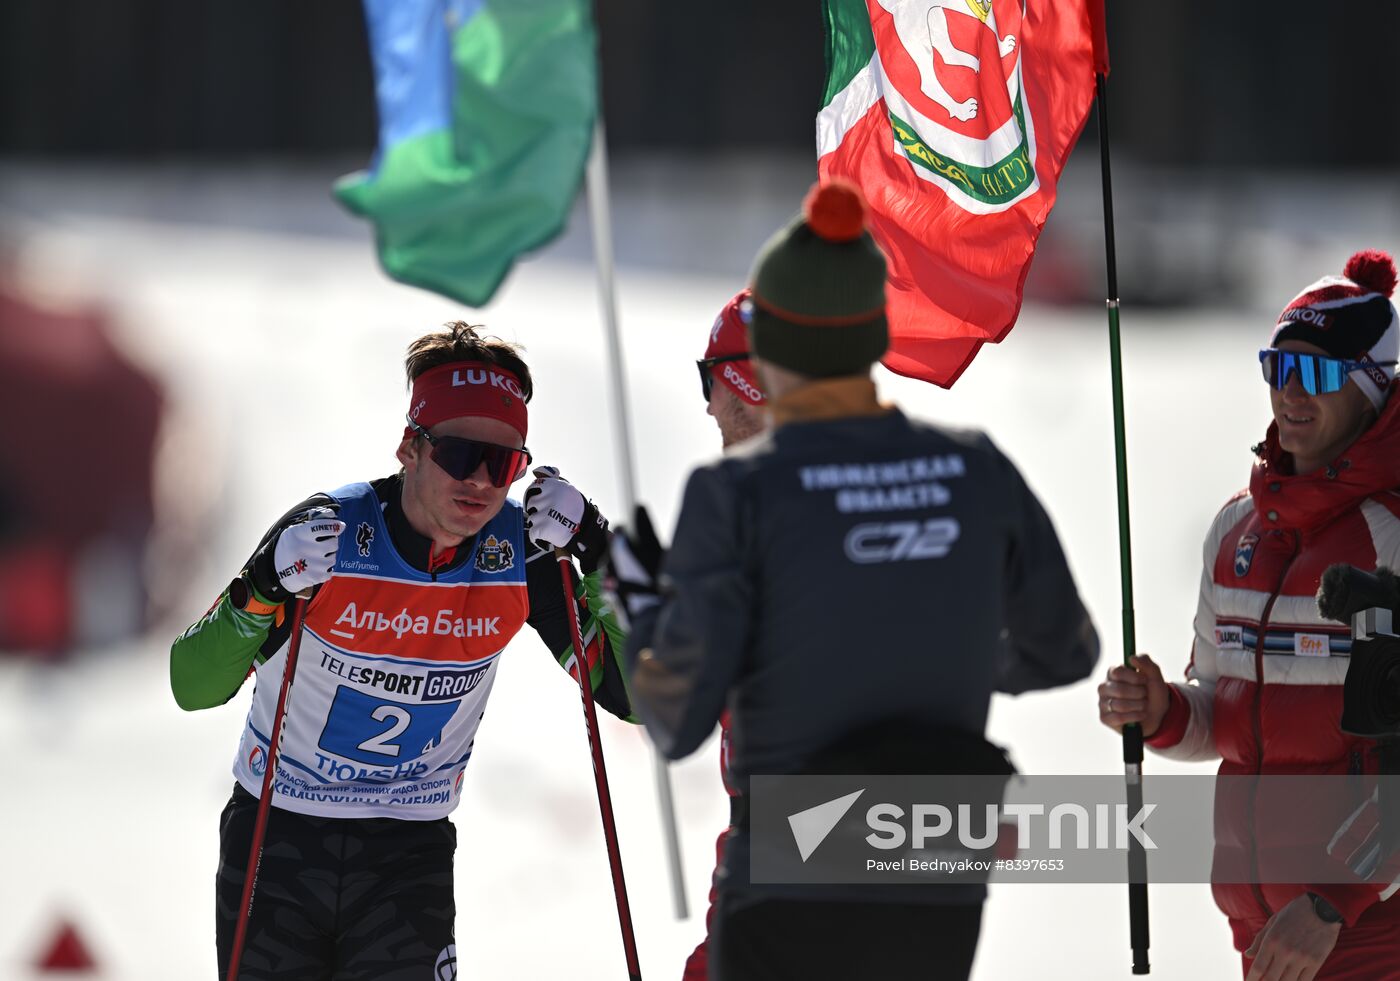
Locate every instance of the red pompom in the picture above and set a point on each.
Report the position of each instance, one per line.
(835, 210)
(1372, 269)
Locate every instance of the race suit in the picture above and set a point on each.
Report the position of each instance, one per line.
(397, 656)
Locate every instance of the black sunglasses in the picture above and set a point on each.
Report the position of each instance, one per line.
(459, 458)
(707, 380)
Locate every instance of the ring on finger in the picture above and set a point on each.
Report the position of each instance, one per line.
(1110, 706)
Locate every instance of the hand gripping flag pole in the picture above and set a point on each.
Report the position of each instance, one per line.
(600, 772)
(250, 873)
(600, 217)
(1132, 734)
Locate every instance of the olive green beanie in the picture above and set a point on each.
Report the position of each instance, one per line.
(819, 289)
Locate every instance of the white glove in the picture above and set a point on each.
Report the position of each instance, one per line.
(557, 515)
(306, 551)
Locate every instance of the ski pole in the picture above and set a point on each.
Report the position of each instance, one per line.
(1139, 937)
(250, 874)
(600, 772)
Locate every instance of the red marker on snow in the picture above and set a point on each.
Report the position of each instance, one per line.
(65, 952)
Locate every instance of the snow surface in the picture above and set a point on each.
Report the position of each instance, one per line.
(281, 351)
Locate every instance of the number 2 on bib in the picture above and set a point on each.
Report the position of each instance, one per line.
(378, 731)
(382, 743)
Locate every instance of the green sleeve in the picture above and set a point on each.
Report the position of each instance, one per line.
(209, 661)
(607, 677)
(613, 671)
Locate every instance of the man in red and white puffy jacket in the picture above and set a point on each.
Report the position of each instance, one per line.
(1264, 688)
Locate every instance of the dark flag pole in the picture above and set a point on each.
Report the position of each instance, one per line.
(1132, 734)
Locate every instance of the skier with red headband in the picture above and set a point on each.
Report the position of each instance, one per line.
(417, 582)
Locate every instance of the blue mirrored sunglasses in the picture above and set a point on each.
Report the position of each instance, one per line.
(1317, 373)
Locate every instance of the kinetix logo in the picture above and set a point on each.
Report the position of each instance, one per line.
(564, 520)
(296, 567)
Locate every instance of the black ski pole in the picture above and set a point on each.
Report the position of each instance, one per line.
(1132, 734)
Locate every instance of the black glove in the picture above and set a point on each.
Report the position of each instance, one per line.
(635, 558)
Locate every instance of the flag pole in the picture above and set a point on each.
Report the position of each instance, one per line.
(600, 217)
(1132, 734)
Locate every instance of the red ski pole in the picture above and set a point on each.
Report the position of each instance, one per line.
(250, 875)
(600, 772)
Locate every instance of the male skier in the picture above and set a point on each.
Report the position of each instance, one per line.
(417, 582)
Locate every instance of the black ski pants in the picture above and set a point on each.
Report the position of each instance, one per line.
(811, 940)
(358, 899)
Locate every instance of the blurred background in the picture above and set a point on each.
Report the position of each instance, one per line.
(193, 336)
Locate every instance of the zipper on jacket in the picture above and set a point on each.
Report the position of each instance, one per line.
(1256, 716)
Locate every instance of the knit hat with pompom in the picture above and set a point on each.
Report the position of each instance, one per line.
(819, 289)
(1351, 317)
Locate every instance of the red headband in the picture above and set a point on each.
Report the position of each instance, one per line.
(467, 388)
